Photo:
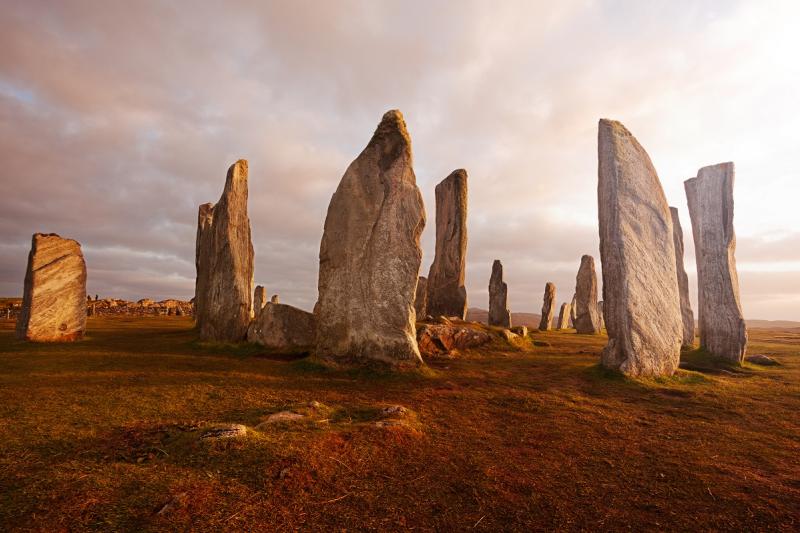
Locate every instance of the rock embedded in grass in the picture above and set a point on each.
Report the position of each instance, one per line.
(640, 288)
(226, 431)
(370, 256)
(760, 359)
(723, 332)
(54, 298)
(439, 339)
(281, 327)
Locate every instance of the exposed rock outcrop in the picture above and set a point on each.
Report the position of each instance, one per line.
(548, 307)
(499, 315)
(722, 327)
(640, 289)
(687, 316)
(586, 319)
(370, 255)
(224, 259)
(447, 294)
(54, 297)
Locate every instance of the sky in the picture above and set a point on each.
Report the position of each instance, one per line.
(118, 118)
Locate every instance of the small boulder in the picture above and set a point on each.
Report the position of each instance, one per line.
(437, 339)
(760, 359)
(225, 431)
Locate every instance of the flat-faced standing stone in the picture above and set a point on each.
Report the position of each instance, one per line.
(499, 315)
(640, 287)
(586, 319)
(370, 255)
(421, 298)
(548, 307)
(54, 297)
(722, 327)
(563, 316)
(259, 299)
(447, 295)
(687, 316)
(224, 289)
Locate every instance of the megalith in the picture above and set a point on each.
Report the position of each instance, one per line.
(447, 295)
(586, 318)
(687, 316)
(225, 263)
(370, 255)
(563, 316)
(548, 307)
(499, 315)
(640, 288)
(54, 295)
(259, 299)
(722, 326)
(421, 298)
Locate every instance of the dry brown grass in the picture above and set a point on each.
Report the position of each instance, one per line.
(101, 434)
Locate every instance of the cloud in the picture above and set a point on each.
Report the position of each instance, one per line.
(118, 119)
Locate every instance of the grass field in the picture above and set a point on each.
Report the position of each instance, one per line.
(104, 434)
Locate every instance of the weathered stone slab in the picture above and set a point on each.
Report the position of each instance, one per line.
(722, 327)
(54, 295)
(548, 307)
(225, 263)
(687, 316)
(499, 315)
(563, 316)
(640, 290)
(447, 294)
(438, 339)
(586, 319)
(421, 298)
(370, 255)
(281, 327)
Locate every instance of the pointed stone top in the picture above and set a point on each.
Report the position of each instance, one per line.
(673, 210)
(458, 174)
(497, 265)
(392, 137)
(50, 237)
(237, 174)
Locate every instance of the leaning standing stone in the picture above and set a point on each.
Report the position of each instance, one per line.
(447, 295)
(370, 255)
(586, 318)
(224, 257)
(54, 297)
(687, 317)
(640, 288)
(548, 307)
(722, 327)
(499, 315)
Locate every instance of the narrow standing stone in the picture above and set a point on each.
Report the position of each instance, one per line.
(370, 255)
(683, 281)
(640, 288)
(54, 295)
(548, 307)
(224, 258)
(499, 315)
(586, 319)
(563, 316)
(259, 299)
(421, 298)
(722, 328)
(600, 314)
(447, 295)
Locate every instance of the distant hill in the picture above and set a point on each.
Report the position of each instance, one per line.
(772, 324)
(530, 320)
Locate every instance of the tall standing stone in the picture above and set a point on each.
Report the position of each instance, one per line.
(586, 318)
(421, 298)
(370, 255)
(600, 315)
(548, 307)
(563, 316)
(722, 327)
(54, 296)
(259, 299)
(687, 316)
(447, 294)
(640, 289)
(499, 315)
(224, 259)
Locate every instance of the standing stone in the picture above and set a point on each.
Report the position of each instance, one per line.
(54, 297)
(283, 328)
(447, 295)
(722, 327)
(259, 299)
(370, 255)
(421, 298)
(586, 319)
(683, 281)
(572, 309)
(499, 315)
(275, 299)
(600, 315)
(224, 259)
(640, 289)
(563, 316)
(549, 307)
